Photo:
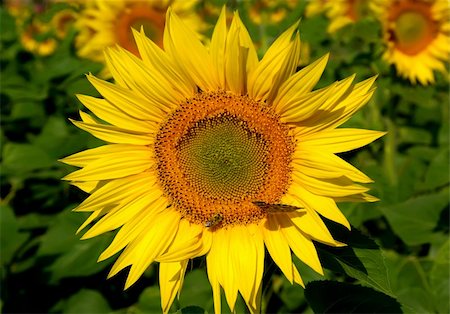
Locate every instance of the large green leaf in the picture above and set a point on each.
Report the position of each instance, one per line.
(415, 219)
(339, 297)
(361, 259)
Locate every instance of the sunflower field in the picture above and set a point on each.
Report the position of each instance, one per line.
(214, 156)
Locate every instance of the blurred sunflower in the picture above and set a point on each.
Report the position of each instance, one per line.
(216, 153)
(417, 36)
(342, 13)
(106, 23)
(62, 21)
(270, 11)
(37, 37)
(315, 7)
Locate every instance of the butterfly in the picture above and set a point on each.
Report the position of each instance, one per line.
(214, 220)
(276, 208)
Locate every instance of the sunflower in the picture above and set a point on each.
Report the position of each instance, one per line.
(106, 23)
(417, 36)
(270, 11)
(342, 13)
(37, 38)
(216, 153)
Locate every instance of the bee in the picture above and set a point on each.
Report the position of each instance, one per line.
(214, 220)
(276, 208)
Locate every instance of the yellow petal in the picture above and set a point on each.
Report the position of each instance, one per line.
(171, 277)
(302, 246)
(323, 205)
(123, 213)
(115, 191)
(326, 164)
(186, 244)
(339, 140)
(111, 114)
(152, 242)
(148, 84)
(115, 165)
(128, 101)
(134, 228)
(87, 187)
(336, 187)
(85, 157)
(155, 58)
(299, 84)
(183, 45)
(219, 260)
(277, 246)
(114, 134)
(260, 80)
(217, 47)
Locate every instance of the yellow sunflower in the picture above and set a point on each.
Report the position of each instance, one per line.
(344, 12)
(214, 152)
(106, 23)
(315, 7)
(417, 36)
(37, 37)
(270, 11)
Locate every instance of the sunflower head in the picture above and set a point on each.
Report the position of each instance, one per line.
(417, 37)
(215, 152)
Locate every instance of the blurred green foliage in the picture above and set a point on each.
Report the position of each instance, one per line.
(397, 261)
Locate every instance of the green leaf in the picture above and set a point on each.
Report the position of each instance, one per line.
(410, 283)
(339, 297)
(440, 279)
(360, 259)
(27, 110)
(57, 140)
(22, 158)
(60, 236)
(149, 300)
(196, 290)
(414, 220)
(87, 301)
(81, 260)
(11, 238)
(438, 173)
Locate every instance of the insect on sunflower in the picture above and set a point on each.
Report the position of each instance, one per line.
(215, 152)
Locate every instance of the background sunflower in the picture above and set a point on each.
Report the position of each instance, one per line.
(397, 250)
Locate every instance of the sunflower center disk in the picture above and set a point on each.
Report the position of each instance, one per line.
(220, 152)
(414, 30)
(223, 158)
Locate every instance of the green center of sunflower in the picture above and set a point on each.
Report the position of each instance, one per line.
(413, 28)
(223, 158)
(218, 153)
(410, 27)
